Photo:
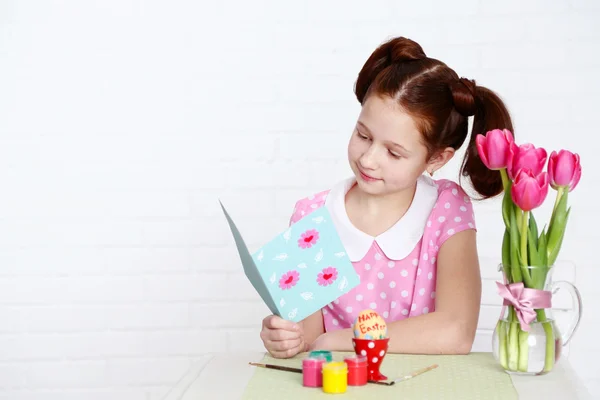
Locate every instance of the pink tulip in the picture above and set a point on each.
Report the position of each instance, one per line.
(527, 157)
(529, 191)
(493, 148)
(564, 169)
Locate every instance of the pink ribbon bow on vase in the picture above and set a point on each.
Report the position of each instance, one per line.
(525, 301)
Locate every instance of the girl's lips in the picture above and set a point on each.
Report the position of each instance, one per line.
(367, 177)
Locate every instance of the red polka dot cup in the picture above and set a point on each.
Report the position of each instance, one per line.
(375, 351)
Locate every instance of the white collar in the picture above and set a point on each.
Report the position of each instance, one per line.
(399, 240)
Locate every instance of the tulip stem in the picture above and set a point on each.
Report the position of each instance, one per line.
(502, 329)
(559, 193)
(524, 225)
(513, 344)
(550, 355)
(505, 180)
(523, 365)
(524, 261)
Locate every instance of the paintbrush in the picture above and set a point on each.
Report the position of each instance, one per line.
(412, 375)
(277, 367)
(299, 370)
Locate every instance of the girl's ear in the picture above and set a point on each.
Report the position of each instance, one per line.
(440, 159)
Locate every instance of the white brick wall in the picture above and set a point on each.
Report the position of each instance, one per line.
(122, 123)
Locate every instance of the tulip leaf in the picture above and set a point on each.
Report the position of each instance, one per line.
(514, 250)
(533, 229)
(534, 256)
(507, 207)
(558, 239)
(543, 248)
(524, 271)
(506, 248)
(560, 209)
(540, 278)
(558, 222)
(532, 246)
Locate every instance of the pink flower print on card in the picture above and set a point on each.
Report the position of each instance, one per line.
(289, 280)
(308, 239)
(327, 276)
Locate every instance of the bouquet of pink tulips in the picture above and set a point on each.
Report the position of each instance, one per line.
(528, 253)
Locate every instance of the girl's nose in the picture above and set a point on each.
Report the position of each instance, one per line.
(369, 159)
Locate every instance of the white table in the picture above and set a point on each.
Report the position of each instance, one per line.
(211, 378)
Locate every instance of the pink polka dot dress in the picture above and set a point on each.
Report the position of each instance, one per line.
(398, 268)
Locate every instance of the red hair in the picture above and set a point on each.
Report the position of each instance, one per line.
(440, 101)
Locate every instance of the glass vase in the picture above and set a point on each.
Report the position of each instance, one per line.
(534, 351)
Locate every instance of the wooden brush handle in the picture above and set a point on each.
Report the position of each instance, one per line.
(277, 367)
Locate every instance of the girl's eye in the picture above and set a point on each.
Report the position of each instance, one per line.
(394, 154)
(362, 136)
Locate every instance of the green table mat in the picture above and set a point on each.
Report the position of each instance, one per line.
(473, 376)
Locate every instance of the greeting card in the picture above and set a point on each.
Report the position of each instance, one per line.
(300, 270)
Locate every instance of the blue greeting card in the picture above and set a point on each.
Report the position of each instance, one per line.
(302, 269)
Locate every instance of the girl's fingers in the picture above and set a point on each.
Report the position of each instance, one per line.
(281, 334)
(289, 352)
(284, 345)
(275, 322)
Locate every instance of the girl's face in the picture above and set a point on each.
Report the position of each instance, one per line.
(385, 151)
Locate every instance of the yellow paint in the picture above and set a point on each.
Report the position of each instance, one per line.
(335, 377)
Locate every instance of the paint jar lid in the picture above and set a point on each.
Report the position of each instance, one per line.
(335, 366)
(356, 359)
(323, 353)
(314, 361)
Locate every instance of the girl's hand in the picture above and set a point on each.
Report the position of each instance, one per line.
(282, 338)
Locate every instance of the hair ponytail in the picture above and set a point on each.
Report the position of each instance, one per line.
(490, 113)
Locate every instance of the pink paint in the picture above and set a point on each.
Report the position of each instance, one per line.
(312, 371)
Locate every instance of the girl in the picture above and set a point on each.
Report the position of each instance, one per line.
(410, 238)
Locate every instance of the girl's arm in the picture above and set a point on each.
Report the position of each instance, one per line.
(312, 327)
(451, 328)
